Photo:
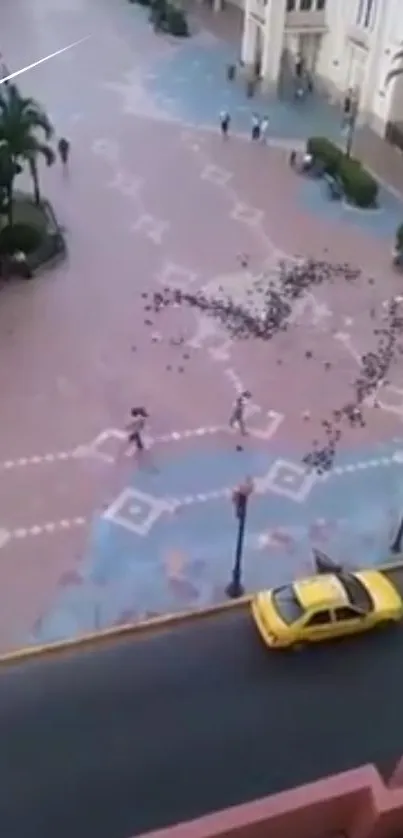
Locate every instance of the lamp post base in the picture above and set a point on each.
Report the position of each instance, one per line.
(234, 590)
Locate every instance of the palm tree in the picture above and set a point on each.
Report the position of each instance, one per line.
(21, 119)
(8, 171)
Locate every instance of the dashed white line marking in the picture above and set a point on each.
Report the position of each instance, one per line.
(21, 462)
(381, 462)
(50, 527)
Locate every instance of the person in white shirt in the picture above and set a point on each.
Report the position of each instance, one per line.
(264, 129)
(255, 127)
(238, 412)
(136, 427)
(225, 120)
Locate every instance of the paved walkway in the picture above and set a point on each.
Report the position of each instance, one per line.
(383, 159)
(154, 199)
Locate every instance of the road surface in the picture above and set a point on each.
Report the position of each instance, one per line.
(149, 732)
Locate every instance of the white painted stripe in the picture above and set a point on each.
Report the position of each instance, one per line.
(42, 60)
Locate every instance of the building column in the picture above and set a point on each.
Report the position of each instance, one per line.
(248, 50)
(273, 42)
(217, 5)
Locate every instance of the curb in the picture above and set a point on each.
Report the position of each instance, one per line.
(128, 630)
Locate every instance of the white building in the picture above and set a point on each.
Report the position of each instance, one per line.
(343, 44)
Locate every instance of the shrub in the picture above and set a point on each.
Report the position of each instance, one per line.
(176, 23)
(22, 237)
(399, 237)
(326, 152)
(359, 186)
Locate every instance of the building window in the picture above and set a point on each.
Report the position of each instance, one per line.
(366, 13)
(290, 5)
(306, 5)
(320, 5)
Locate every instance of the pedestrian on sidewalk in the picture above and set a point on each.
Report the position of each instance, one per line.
(136, 427)
(63, 148)
(238, 412)
(264, 129)
(255, 127)
(225, 121)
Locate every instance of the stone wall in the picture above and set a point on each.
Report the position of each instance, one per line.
(356, 804)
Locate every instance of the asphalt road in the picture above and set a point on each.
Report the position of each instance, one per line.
(146, 733)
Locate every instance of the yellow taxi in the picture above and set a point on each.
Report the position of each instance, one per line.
(326, 606)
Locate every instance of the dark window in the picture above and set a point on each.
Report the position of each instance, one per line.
(320, 5)
(306, 5)
(342, 614)
(357, 594)
(322, 618)
(287, 604)
(290, 5)
(369, 14)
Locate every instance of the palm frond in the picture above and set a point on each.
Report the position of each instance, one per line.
(38, 119)
(34, 148)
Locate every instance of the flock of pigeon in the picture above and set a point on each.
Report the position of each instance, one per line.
(263, 321)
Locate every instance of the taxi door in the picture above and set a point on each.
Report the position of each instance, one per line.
(348, 620)
(318, 626)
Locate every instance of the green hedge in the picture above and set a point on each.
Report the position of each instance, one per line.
(399, 237)
(166, 17)
(325, 151)
(23, 237)
(359, 186)
(176, 22)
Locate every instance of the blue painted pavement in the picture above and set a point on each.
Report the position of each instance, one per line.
(381, 222)
(185, 558)
(191, 85)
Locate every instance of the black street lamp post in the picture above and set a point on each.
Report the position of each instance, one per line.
(351, 126)
(396, 547)
(240, 499)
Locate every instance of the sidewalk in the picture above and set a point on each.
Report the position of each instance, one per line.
(383, 159)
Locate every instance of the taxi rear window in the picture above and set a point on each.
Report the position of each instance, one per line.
(287, 605)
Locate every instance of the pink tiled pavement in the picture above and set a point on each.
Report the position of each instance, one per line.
(75, 351)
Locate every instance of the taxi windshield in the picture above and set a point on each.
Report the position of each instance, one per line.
(357, 594)
(287, 604)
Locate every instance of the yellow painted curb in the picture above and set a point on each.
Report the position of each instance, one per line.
(127, 630)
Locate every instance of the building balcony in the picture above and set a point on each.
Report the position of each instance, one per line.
(359, 37)
(257, 10)
(306, 22)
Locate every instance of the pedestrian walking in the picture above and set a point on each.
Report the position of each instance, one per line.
(225, 121)
(264, 129)
(63, 148)
(136, 427)
(255, 127)
(293, 159)
(238, 412)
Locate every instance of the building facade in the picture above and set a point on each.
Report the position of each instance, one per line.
(342, 44)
